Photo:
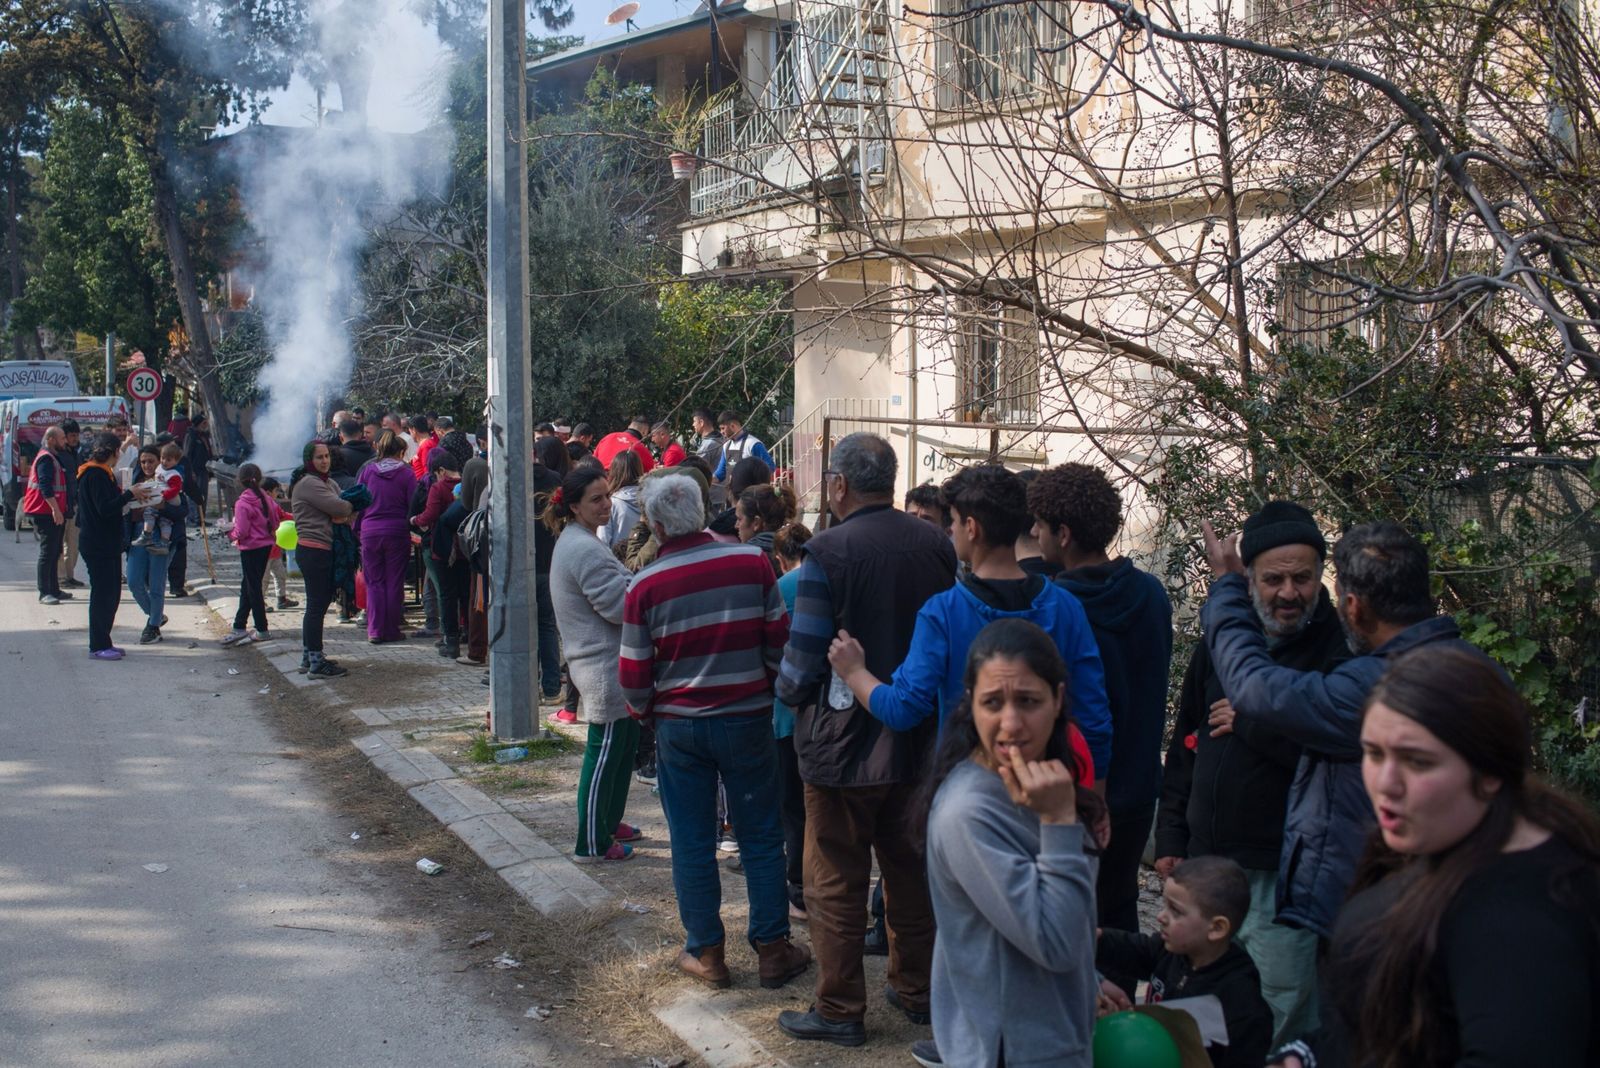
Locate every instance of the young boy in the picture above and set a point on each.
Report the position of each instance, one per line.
(1206, 899)
(277, 566)
(168, 482)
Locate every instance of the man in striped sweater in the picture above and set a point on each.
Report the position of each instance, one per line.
(703, 631)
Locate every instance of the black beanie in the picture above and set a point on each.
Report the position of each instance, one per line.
(1280, 523)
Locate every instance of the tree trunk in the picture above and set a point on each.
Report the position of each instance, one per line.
(14, 241)
(202, 361)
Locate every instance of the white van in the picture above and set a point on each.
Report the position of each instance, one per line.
(37, 378)
(22, 426)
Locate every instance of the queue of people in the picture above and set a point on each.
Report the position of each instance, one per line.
(969, 693)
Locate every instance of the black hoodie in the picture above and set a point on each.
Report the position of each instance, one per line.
(1229, 795)
(1131, 618)
(1232, 979)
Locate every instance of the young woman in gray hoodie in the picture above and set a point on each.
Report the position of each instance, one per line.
(587, 587)
(1011, 864)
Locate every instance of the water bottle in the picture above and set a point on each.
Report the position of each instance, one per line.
(511, 755)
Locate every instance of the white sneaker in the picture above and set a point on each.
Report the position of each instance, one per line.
(235, 637)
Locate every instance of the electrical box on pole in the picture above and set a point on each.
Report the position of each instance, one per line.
(513, 630)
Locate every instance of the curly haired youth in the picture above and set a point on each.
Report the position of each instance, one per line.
(1080, 498)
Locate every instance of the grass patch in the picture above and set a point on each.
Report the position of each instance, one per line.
(482, 750)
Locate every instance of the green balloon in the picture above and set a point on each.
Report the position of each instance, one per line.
(287, 536)
(1133, 1040)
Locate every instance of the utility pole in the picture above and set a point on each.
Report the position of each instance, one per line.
(513, 631)
(111, 365)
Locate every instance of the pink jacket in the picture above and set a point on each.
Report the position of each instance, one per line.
(253, 529)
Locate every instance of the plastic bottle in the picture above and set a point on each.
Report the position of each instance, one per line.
(511, 755)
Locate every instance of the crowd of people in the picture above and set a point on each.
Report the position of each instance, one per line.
(970, 692)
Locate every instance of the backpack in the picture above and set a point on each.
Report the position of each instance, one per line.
(472, 539)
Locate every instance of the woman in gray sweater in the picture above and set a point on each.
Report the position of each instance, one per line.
(1009, 866)
(587, 587)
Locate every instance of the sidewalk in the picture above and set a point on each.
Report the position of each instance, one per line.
(614, 928)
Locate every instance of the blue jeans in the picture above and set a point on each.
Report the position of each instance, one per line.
(147, 581)
(549, 638)
(690, 754)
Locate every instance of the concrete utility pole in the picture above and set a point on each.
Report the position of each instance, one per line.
(111, 365)
(513, 630)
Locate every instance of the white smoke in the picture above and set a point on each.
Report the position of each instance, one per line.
(313, 196)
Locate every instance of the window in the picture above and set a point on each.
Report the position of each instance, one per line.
(997, 363)
(991, 54)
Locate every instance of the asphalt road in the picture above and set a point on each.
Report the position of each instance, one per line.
(108, 767)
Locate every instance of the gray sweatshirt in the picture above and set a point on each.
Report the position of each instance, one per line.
(588, 585)
(1013, 961)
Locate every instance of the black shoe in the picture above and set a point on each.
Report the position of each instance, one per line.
(892, 996)
(72, 582)
(450, 650)
(812, 1027)
(877, 943)
(63, 595)
(926, 1053)
(326, 669)
(150, 635)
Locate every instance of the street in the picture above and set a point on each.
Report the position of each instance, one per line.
(266, 934)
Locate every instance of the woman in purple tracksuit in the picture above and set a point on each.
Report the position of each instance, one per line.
(385, 531)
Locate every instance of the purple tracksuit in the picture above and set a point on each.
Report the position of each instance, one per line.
(386, 545)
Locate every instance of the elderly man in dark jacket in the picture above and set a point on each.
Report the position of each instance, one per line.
(868, 574)
(1225, 790)
(1385, 606)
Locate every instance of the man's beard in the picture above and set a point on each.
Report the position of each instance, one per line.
(1269, 621)
(1358, 645)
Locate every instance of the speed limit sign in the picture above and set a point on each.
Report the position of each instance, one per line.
(144, 384)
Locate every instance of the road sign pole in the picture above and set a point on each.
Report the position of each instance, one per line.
(513, 629)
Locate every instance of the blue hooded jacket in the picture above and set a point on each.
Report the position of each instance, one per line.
(1131, 616)
(931, 679)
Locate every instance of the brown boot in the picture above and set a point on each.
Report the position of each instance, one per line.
(781, 961)
(708, 967)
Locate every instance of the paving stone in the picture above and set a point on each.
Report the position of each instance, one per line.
(554, 885)
(502, 840)
(721, 1042)
(408, 767)
(372, 717)
(452, 800)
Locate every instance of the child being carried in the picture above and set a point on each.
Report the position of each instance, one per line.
(167, 484)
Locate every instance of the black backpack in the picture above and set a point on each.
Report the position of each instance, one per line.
(472, 540)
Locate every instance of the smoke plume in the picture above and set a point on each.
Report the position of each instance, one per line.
(314, 195)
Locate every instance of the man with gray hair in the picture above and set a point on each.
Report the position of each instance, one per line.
(868, 574)
(703, 629)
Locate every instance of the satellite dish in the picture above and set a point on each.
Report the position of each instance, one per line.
(623, 14)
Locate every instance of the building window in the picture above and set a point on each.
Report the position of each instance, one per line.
(990, 54)
(1316, 300)
(997, 364)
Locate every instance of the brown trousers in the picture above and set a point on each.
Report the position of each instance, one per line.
(844, 827)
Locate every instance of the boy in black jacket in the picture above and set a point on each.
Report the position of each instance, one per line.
(1194, 955)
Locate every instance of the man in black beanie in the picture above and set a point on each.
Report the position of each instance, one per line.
(1225, 788)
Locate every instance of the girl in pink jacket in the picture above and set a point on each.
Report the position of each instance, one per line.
(255, 524)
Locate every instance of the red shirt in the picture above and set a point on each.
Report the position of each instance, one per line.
(607, 448)
(673, 455)
(419, 462)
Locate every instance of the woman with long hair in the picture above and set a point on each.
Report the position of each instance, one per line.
(147, 571)
(623, 482)
(760, 512)
(100, 505)
(1472, 935)
(1009, 868)
(587, 585)
(317, 506)
(255, 523)
(787, 545)
(385, 530)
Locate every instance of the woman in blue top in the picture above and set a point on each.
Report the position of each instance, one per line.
(786, 548)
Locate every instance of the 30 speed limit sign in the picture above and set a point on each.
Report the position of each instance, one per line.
(144, 384)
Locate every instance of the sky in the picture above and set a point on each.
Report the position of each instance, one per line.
(390, 108)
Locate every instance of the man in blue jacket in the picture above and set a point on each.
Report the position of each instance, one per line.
(1382, 595)
(990, 508)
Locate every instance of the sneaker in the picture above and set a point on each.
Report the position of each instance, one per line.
(467, 661)
(64, 595)
(288, 602)
(736, 863)
(877, 941)
(72, 582)
(326, 669)
(926, 1053)
(563, 716)
(50, 598)
(425, 632)
(141, 541)
(150, 635)
(625, 833)
(647, 774)
(260, 636)
(727, 843)
(235, 637)
(177, 595)
(618, 851)
(305, 663)
(107, 654)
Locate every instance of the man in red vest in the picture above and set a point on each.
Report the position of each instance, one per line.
(45, 503)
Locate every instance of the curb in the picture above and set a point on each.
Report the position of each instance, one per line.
(537, 871)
